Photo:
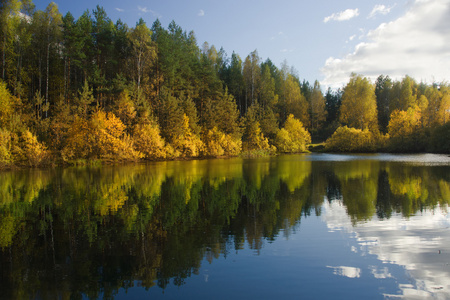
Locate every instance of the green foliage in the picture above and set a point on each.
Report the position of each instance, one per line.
(440, 139)
(253, 138)
(58, 72)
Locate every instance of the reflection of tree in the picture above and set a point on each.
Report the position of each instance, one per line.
(91, 231)
(414, 188)
(359, 187)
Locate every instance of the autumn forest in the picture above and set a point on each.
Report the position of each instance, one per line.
(88, 90)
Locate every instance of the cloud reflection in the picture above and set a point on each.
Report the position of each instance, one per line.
(420, 244)
(349, 272)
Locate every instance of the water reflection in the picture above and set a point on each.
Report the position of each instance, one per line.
(93, 231)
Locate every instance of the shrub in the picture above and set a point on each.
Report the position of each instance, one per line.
(218, 143)
(148, 141)
(293, 137)
(346, 139)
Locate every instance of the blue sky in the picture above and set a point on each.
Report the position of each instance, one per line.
(323, 40)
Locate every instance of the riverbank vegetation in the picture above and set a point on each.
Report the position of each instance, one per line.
(89, 89)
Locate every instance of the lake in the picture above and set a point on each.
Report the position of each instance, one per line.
(311, 226)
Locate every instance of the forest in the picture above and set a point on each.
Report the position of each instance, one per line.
(88, 90)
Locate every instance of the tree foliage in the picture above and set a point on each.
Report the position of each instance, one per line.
(70, 81)
(293, 137)
(359, 108)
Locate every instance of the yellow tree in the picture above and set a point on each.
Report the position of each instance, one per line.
(293, 137)
(405, 130)
(295, 101)
(444, 109)
(359, 105)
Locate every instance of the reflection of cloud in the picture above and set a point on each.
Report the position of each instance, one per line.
(420, 244)
(349, 272)
(342, 16)
(380, 273)
(415, 44)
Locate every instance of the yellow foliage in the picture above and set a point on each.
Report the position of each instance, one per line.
(359, 107)
(5, 148)
(217, 143)
(32, 152)
(404, 123)
(109, 139)
(148, 141)
(102, 137)
(79, 141)
(125, 109)
(346, 139)
(293, 137)
(6, 104)
(405, 130)
(187, 144)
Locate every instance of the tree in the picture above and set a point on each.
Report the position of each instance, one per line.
(268, 98)
(143, 51)
(444, 109)
(253, 139)
(318, 111)
(252, 78)
(404, 94)
(383, 88)
(405, 130)
(359, 106)
(235, 81)
(294, 101)
(293, 137)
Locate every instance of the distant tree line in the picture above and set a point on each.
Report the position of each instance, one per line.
(77, 90)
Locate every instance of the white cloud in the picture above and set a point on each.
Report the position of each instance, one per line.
(343, 15)
(415, 44)
(380, 9)
(201, 13)
(143, 9)
(119, 9)
(146, 10)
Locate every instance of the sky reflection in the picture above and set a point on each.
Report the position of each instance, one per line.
(420, 244)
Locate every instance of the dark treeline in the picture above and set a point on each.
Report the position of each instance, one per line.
(83, 89)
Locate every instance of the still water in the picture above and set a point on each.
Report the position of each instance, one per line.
(313, 226)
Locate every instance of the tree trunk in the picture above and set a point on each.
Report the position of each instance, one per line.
(48, 63)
